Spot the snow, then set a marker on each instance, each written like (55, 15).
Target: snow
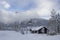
(37, 28)
(12, 35)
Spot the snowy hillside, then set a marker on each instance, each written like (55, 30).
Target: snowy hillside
(12, 35)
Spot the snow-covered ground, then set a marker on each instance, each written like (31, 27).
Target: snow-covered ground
(12, 35)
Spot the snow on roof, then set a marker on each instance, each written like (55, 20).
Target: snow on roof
(37, 28)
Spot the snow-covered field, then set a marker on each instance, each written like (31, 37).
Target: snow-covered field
(12, 35)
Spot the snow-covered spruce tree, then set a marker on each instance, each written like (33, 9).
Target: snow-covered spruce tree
(54, 22)
(58, 22)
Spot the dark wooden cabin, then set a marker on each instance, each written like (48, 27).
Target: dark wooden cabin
(39, 30)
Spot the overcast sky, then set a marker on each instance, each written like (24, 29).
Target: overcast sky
(27, 9)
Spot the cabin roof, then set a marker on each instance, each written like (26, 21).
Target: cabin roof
(37, 28)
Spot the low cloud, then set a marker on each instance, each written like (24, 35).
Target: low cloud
(8, 16)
